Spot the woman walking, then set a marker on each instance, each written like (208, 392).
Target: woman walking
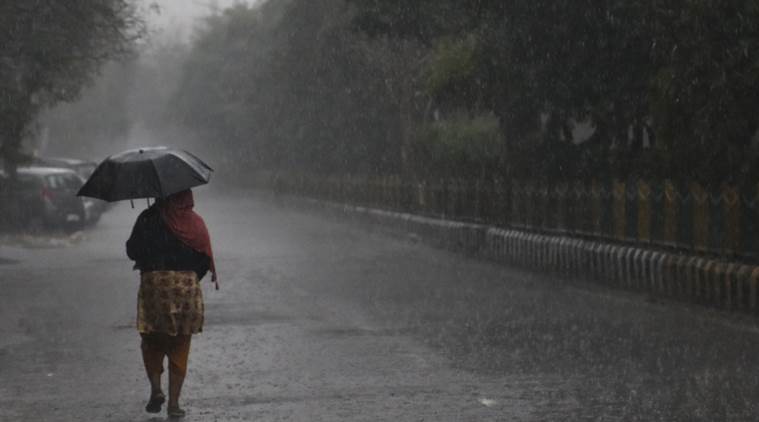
(172, 249)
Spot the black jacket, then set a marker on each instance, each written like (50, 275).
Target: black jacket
(154, 247)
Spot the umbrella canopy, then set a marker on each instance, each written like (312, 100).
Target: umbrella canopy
(155, 172)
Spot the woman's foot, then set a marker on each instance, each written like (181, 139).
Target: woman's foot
(155, 402)
(175, 412)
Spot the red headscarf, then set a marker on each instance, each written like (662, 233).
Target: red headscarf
(187, 225)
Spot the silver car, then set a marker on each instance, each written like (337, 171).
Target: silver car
(46, 197)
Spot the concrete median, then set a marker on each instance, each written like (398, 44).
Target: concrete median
(666, 274)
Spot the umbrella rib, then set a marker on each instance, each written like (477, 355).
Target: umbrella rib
(157, 177)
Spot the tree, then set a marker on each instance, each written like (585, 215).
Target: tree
(575, 88)
(289, 85)
(658, 81)
(49, 50)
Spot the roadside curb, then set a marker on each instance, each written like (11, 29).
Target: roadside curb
(728, 285)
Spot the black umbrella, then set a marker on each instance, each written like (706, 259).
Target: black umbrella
(146, 173)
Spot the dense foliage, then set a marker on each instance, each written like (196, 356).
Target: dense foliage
(49, 50)
(484, 88)
(290, 85)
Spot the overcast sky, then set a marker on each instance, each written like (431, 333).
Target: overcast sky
(179, 16)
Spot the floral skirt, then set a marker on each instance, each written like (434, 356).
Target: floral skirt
(170, 302)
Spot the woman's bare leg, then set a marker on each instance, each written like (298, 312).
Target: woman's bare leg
(178, 355)
(152, 356)
(175, 389)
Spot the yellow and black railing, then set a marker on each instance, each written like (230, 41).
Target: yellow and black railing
(721, 221)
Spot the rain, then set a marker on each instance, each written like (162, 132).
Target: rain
(379, 210)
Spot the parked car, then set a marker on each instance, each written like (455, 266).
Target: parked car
(83, 168)
(6, 208)
(46, 198)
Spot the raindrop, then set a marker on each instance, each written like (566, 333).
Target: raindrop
(487, 402)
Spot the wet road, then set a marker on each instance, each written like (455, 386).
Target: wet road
(319, 320)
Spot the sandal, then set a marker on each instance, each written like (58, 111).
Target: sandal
(175, 412)
(155, 402)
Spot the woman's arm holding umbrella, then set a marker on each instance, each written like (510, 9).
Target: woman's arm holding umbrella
(135, 245)
(138, 245)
